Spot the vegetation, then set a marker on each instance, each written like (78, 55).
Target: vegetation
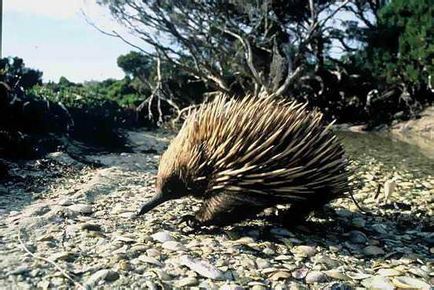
(358, 61)
(353, 59)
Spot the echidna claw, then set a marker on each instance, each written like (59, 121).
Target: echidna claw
(191, 221)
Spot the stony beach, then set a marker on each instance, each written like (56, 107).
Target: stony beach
(66, 225)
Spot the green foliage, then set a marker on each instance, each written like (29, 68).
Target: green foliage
(14, 72)
(135, 64)
(401, 48)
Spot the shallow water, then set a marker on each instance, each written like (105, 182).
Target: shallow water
(392, 153)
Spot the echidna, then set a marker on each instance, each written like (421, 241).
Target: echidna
(243, 156)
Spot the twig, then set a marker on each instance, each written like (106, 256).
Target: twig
(63, 272)
(289, 79)
(248, 55)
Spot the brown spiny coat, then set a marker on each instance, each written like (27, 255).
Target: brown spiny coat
(241, 157)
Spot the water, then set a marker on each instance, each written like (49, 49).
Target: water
(392, 153)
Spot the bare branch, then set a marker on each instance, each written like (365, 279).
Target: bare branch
(288, 81)
(248, 55)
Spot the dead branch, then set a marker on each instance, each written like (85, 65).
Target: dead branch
(248, 55)
(62, 271)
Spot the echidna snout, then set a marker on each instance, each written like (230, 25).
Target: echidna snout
(166, 188)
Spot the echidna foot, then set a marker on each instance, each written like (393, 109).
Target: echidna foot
(191, 221)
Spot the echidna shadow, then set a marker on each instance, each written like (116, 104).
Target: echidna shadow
(242, 156)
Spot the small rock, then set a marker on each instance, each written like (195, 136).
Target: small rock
(243, 241)
(268, 251)
(380, 228)
(372, 251)
(173, 246)
(388, 272)
(359, 222)
(300, 273)
(377, 282)
(83, 209)
(259, 287)
(358, 276)
(202, 267)
(162, 275)
(405, 282)
(63, 256)
(123, 265)
(326, 262)
(357, 237)
(315, 277)
(153, 253)
(342, 212)
(248, 263)
(138, 249)
(338, 286)
(19, 270)
(231, 287)
(189, 281)
(39, 210)
(90, 227)
(304, 251)
(283, 258)
(126, 239)
(280, 275)
(262, 263)
(65, 202)
(102, 275)
(163, 236)
(281, 232)
(150, 260)
(335, 274)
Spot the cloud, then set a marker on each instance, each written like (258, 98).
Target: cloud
(58, 9)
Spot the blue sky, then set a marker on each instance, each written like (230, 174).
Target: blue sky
(53, 36)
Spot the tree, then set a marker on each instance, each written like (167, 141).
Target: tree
(136, 64)
(234, 46)
(14, 72)
(401, 49)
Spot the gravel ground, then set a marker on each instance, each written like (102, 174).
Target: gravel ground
(74, 229)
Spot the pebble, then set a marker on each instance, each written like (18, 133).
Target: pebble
(268, 251)
(378, 282)
(184, 282)
(173, 246)
(62, 256)
(280, 275)
(304, 251)
(163, 236)
(83, 209)
(405, 282)
(90, 227)
(373, 251)
(19, 270)
(388, 272)
(359, 222)
(358, 237)
(102, 275)
(315, 277)
(281, 232)
(300, 273)
(380, 228)
(202, 267)
(153, 253)
(231, 287)
(262, 263)
(336, 275)
(258, 287)
(150, 260)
